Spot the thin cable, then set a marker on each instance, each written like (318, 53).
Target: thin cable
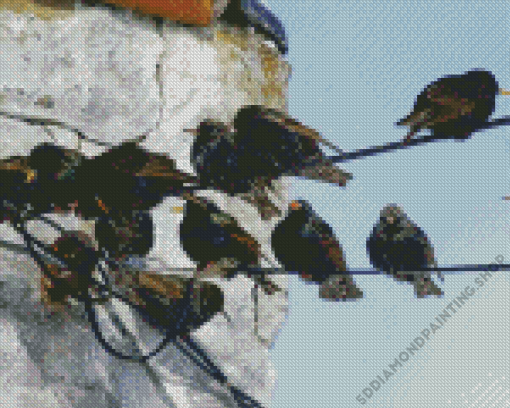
(403, 144)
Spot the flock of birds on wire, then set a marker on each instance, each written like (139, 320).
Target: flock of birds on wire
(119, 188)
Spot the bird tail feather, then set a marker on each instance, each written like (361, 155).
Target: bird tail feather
(266, 208)
(340, 287)
(327, 172)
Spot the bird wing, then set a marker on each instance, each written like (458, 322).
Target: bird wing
(325, 171)
(248, 241)
(164, 167)
(170, 287)
(417, 118)
(452, 106)
(295, 126)
(438, 103)
(334, 252)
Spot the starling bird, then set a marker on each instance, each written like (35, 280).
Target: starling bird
(218, 161)
(398, 247)
(216, 241)
(36, 184)
(122, 234)
(264, 145)
(166, 302)
(280, 145)
(75, 279)
(454, 106)
(220, 246)
(126, 178)
(303, 242)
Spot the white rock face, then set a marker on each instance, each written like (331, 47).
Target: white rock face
(116, 76)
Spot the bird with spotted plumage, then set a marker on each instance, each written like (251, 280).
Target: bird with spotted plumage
(221, 247)
(59, 282)
(455, 106)
(400, 248)
(127, 178)
(36, 184)
(217, 243)
(261, 145)
(303, 242)
(166, 302)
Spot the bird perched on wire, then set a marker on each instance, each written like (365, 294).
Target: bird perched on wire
(263, 145)
(127, 178)
(166, 302)
(38, 183)
(218, 161)
(398, 247)
(163, 301)
(305, 243)
(217, 243)
(454, 106)
(220, 246)
(75, 278)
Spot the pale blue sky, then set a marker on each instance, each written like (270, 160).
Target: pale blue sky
(357, 68)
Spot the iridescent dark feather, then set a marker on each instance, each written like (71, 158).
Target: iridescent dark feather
(264, 145)
(208, 235)
(305, 243)
(75, 279)
(124, 234)
(127, 178)
(39, 183)
(454, 106)
(166, 302)
(215, 156)
(398, 247)
(276, 144)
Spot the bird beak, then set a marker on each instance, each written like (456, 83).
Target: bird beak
(504, 92)
(295, 205)
(177, 210)
(390, 220)
(192, 131)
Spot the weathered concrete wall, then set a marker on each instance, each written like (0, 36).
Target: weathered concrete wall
(116, 75)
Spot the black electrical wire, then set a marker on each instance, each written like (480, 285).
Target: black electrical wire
(184, 343)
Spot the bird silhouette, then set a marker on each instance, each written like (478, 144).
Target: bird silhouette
(219, 163)
(220, 247)
(127, 178)
(398, 247)
(60, 282)
(454, 106)
(166, 302)
(36, 184)
(305, 243)
(263, 145)
(217, 243)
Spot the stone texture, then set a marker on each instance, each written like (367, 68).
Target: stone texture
(116, 75)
